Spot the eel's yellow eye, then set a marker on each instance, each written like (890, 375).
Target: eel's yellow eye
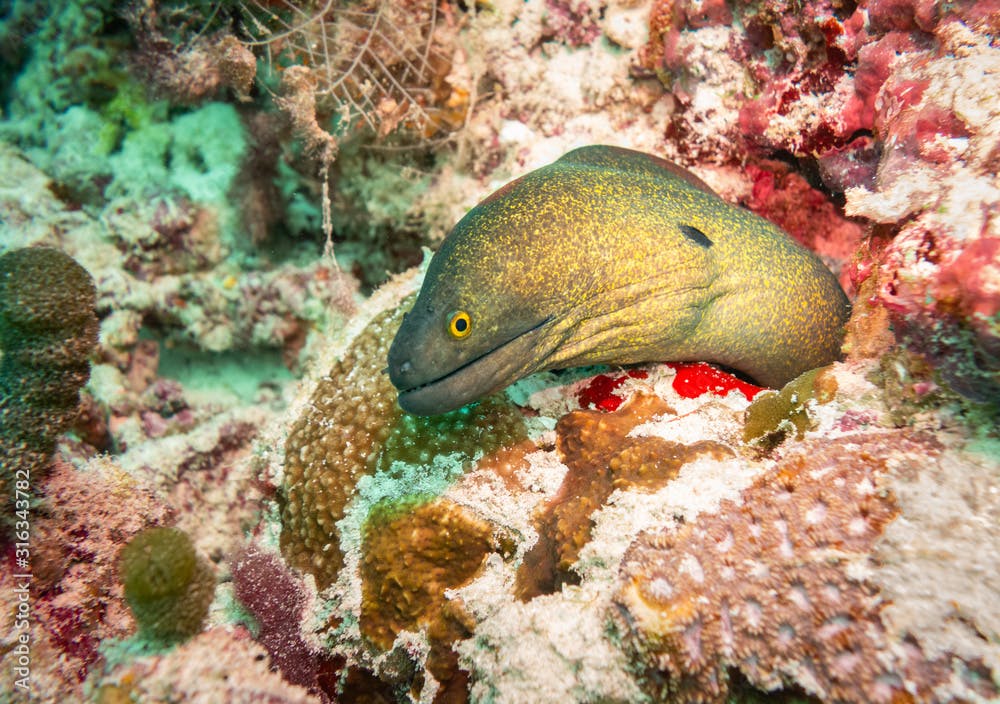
(459, 324)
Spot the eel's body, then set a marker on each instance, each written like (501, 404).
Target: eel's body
(611, 256)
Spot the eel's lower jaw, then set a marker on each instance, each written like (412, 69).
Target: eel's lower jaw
(491, 372)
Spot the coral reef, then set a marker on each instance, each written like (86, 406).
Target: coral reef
(938, 493)
(219, 664)
(660, 532)
(48, 329)
(938, 180)
(412, 556)
(775, 587)
(333, 444)
(601, 457)
(167, 584)
(352, 428)
(378, 63)
(84, 517)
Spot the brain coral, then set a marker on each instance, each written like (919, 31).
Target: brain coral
(774, 586)
(47, 329)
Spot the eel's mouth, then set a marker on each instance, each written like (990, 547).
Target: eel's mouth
(491, 371)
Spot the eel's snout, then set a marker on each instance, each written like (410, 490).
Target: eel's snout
(401, 370)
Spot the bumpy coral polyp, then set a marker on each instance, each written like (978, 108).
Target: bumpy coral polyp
(769, 585)
(353, 427)
(333, 443)
(48, 328)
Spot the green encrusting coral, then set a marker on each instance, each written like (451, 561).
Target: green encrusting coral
(775, 414)
(167, 584)
(466, 433)
(48, 328)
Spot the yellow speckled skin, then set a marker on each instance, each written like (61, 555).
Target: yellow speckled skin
(592, 259)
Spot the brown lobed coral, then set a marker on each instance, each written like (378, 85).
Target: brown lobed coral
(410, 557)
(601, 457)
(775, 586)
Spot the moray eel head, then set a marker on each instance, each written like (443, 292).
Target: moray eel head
(610, 256)
(452, 351)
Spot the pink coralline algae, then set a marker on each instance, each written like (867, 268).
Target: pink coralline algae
(78, 599)
(667, 19)
(575, 22)
(824, 99)
(788, 200)
(936, 189)
(219, 665)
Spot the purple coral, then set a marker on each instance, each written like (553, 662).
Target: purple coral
(276, 599)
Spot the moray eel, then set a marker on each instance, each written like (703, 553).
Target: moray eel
(611, 256)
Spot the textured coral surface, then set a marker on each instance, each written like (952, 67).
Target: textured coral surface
(47, 331)
(771, 587)
(333, 444)
(167, 584)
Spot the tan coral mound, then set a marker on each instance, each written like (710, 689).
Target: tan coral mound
(332, 444)
(352, 427)
(776, 586)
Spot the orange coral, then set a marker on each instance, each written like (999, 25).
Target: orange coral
(601, 458)
(410, 557)
(770, 586)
